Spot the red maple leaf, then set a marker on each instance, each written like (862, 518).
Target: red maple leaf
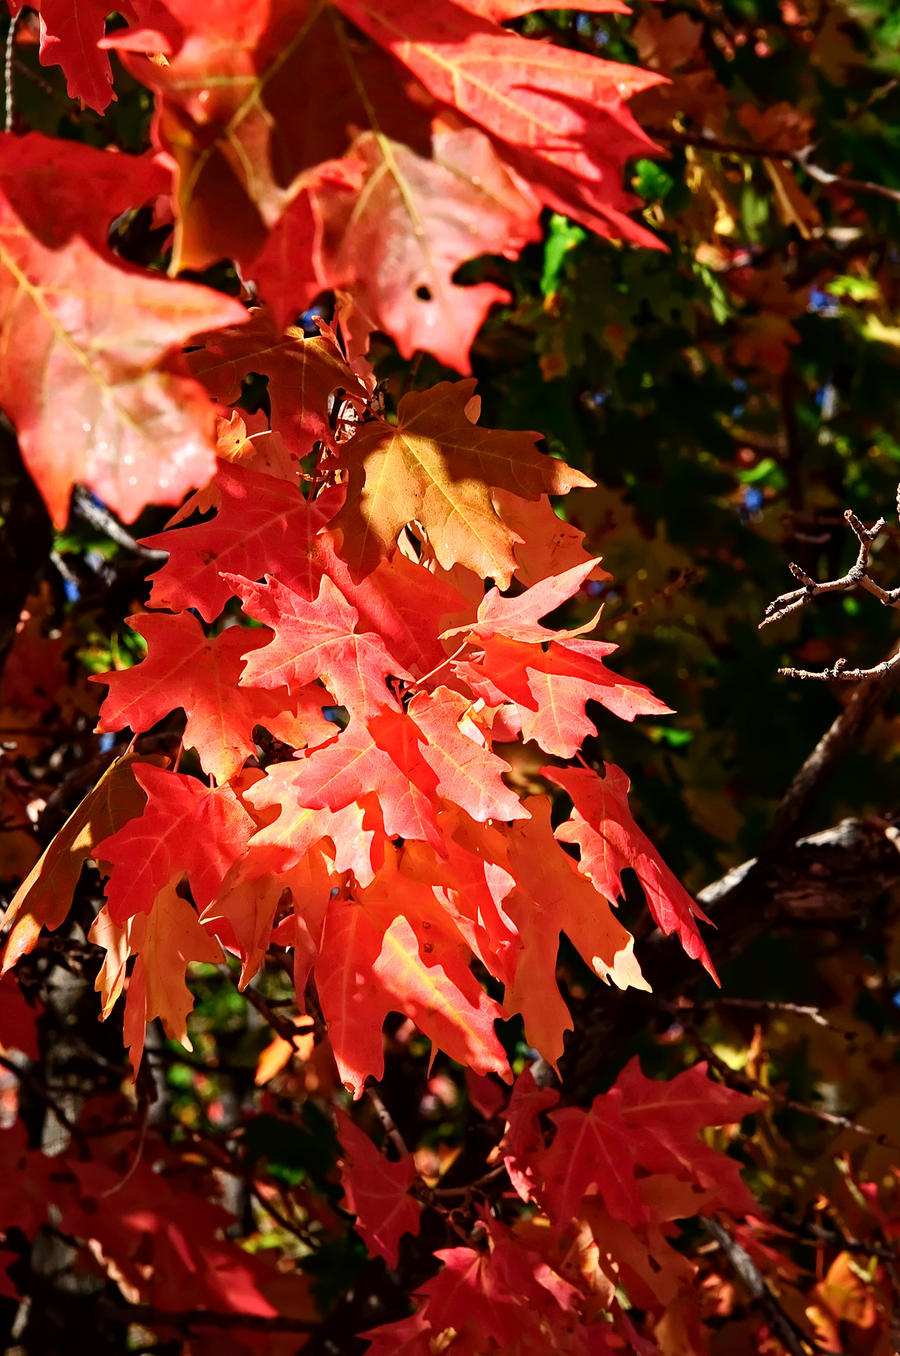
(550, 897)
(165, 941)
(185, 829)
(244, 910)
(548, 675)
(524, 1136)
(70, 38)
(519, 617)
(194, 1261)
(184, 668)
(609, 839)
(454, 748)
(261, 522)
(436, 467)
(424, 216)
(318, 639)
(290, 828)
(83, 336)
(550, 688)
(549, 546)
(374, 961)
(559, 116)
(349, 767)
(592, 1151)
(301, 375)
(470, 876)
(36, 170)
(665, 1119)
(44, 898)
(377, 1191)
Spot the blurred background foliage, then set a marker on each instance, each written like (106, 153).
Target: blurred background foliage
(732, 394)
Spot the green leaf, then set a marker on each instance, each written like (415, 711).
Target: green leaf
(562, 237)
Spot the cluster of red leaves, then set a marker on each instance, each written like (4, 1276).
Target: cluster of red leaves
(541, 1284)
(128, 1217)
(381, 837)
(384, 845)
(441, 138)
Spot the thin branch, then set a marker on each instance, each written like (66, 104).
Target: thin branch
(746, 1270)
(8, 84)
(735, 1077)
(275, 1213)
(440, 1192)
(99, 516)
(770, 1005)
(856, 577)
(387, 1121)
(283, 1026)
(800, 159)
(666, 592)
(839, 671)
(813, 1234)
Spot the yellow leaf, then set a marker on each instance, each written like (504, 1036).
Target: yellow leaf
(45, 896)
(438, 469)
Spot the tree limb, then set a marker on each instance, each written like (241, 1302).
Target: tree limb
(752, 1279)
(845, 730)
(825, 877)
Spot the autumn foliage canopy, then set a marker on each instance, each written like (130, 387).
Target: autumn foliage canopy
(353, 760)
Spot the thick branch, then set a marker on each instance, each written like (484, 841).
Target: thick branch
(843, 733)
(753, 1280)
(829, 876)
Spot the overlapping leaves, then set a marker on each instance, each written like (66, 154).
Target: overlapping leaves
(387, 825)
(442, 137)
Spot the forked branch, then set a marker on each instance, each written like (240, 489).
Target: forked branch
(857, 577)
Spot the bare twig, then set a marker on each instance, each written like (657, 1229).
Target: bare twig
(840, 671)
(387, 1122)
(817, 1234)
(770, 1005)
(736, 1078)
(283, 1026)
(856, 577)
(800, 159)
(8, 85)
(666, 592)
(279, 1218)
(440, 1192)
(99, 516)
